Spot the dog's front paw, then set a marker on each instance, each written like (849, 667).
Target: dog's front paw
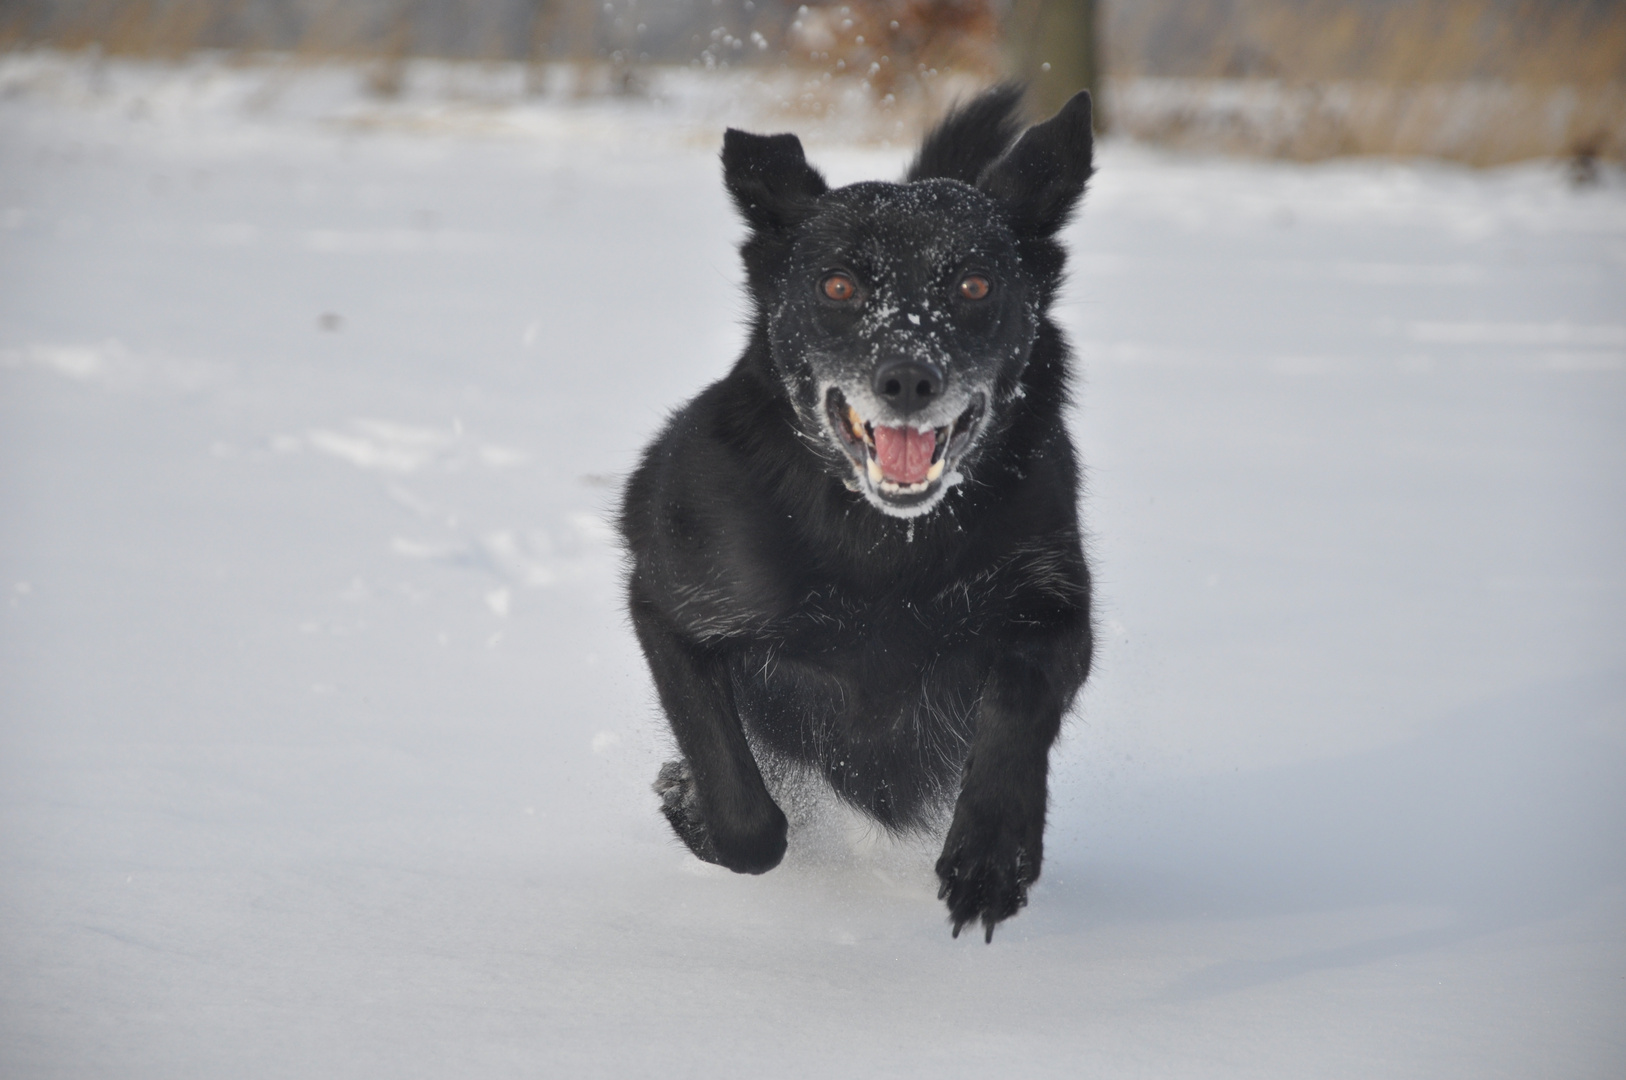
(681, 805)
(985, 872)
(753, 845)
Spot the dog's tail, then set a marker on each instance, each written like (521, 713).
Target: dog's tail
(970, 138)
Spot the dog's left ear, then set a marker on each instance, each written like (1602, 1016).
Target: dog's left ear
(1040, 179)
(770, 179)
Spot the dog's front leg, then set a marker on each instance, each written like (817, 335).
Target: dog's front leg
(995, 844)
(714, 798)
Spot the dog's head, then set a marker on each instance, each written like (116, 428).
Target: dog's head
(900, 317)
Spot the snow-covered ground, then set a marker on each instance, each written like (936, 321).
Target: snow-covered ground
(325, 748)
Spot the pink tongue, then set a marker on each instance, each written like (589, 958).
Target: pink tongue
(904, 454)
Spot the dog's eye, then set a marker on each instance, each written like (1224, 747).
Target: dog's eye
(974, 287)
(839, 287)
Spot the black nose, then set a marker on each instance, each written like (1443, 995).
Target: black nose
(908, 385)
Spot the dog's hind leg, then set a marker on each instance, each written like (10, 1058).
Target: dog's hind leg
(714, 798)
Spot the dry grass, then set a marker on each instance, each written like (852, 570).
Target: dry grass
(319, 29)
(894, 46)
(161, 28)
(1482, 81)
(1479, 123)
(1479, 81)
(1398, 42)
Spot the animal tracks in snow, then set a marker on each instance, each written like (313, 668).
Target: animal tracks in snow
(403, 449)
(577, 546)
(111, 365)
(532, 558)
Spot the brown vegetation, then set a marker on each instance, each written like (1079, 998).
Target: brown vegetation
(1398, 42)
(893, 43)
(1481, 81)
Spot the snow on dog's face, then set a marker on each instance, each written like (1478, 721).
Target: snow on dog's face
(900, 316)
(900, 321)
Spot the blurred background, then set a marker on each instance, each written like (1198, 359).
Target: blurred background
(1479, 81)
(330, 329)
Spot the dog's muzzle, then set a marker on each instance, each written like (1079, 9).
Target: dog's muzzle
(903, 467)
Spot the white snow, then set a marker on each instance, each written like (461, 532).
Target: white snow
(325, 747)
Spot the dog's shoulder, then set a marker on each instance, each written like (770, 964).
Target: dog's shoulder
(705, 545)
(708, 461)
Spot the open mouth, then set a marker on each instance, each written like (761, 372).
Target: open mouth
(904, 465)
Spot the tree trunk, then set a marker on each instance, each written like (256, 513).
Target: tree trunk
(1053, 46)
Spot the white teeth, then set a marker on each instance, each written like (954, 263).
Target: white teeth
(878, 478)
(855, 422)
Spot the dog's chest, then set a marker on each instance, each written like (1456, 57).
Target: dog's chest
(882, 621)
(873, 644)
(902, 671)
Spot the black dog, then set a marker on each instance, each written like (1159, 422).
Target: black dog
(859, 553)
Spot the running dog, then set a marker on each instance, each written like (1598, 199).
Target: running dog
(858, 554)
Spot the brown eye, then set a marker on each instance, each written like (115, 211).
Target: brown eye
(839, 287)
(974, 287)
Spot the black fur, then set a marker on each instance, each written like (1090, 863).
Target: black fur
(970, 139)
(806, 600)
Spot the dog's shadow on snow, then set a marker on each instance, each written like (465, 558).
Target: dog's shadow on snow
(1502, 815)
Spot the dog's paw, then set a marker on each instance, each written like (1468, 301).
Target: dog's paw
(681, 805)
(751, 846)
(985, 874)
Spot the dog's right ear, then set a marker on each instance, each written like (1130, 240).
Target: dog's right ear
(770, 179)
